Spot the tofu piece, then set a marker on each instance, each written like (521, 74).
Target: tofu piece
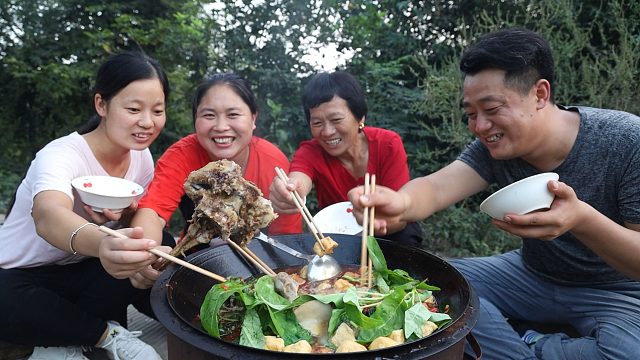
(382, 342)
(350, 346)
(328, 244)
(428, 328)
(398, 336)
(343, 333)
(301, 346)
(273, 343)
(342, 285)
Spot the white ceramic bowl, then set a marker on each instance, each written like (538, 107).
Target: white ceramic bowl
(337, 219)
(106, 192)
(521, 197)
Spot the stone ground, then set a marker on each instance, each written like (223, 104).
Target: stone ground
(153, 333)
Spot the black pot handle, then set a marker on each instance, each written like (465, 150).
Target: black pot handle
(475, 346)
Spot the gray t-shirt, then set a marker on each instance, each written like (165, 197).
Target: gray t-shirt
(603, 168)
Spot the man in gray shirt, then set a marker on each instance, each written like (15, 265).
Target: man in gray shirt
(579, 260)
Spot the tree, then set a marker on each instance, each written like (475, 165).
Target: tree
(50, 51)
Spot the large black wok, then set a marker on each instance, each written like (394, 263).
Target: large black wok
(176, 297)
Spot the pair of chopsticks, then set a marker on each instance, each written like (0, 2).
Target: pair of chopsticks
(164, 255)
(368, 223)
(252, 257)
(306, 215)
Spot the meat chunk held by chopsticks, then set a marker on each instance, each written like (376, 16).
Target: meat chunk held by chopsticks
(226, 206)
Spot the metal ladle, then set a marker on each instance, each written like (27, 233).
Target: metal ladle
(319, 267)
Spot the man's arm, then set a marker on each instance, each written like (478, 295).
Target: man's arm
(618, 246)
(440, 190)
(420, 197)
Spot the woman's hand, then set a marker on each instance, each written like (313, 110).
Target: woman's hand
(563, 216)
(124, 216)
(281, 196)
(145, 278)
(125, 257)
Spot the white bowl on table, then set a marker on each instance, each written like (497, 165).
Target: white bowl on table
(338, 219)
(521, 197)
(106, 192)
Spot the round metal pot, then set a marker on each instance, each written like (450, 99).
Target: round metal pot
(176, 298)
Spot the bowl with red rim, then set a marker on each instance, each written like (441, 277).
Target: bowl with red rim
(521, 197)
(106, 192)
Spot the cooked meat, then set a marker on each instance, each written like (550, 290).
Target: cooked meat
(226, 206)
(286, 285)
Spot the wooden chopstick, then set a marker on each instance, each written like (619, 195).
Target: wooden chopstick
(365, 231)
(256, 258)
(300, 204)
(372, 212)
(169, 257)
(255, 262)
(302, 207)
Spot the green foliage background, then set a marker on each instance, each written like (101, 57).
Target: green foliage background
(405, 53)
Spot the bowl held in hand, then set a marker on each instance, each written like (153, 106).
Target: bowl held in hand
(106, 192)
(521, 197)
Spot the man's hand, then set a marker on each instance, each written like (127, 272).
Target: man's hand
(563, 216)
(390, 207)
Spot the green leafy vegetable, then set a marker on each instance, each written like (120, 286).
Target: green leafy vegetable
(251, 333)
(338, 316)
(213, 301)
(287, 326)
(390, 312)
(265, 293)
(414, 318)
(375, 254)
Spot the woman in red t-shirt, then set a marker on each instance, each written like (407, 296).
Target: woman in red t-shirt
(224, 115)
(342, 151)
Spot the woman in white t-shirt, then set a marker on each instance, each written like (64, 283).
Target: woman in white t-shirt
(65, 284)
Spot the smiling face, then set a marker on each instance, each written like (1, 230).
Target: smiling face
(334, 126)
(224, 125)
(134, 117)
(502, 118)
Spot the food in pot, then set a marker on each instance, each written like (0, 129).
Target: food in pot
(286, 285)
(328, 318)
(226, 206)
(328, 244)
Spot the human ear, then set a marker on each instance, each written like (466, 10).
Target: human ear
(100, 104)
(542, 92)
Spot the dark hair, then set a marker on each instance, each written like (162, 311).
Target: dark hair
(238, 84)
(114, 75)
(324, 86)
(119, 71)
(524, 55)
